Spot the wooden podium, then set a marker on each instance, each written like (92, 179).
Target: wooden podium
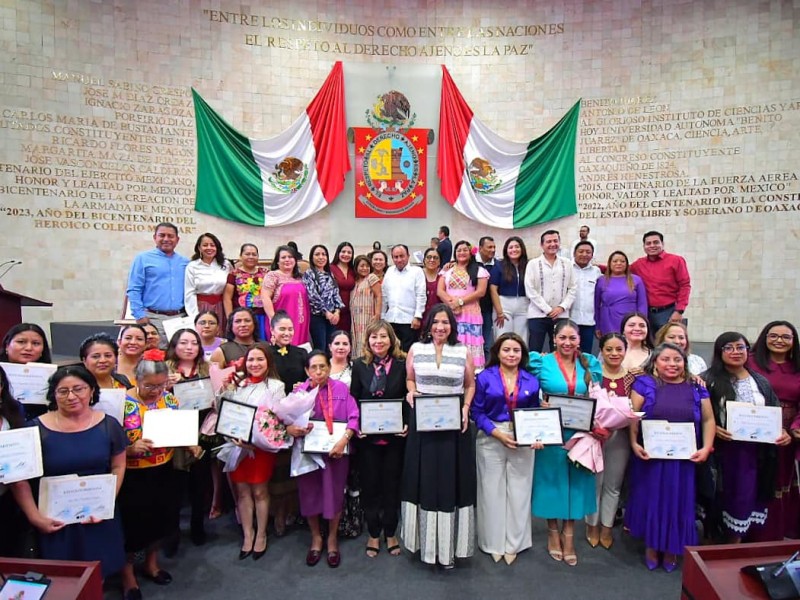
(713, 572)
(71, 580)
(11, 305)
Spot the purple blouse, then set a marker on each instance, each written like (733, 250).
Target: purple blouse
(613, 299)
(489, 403)
(345, 407)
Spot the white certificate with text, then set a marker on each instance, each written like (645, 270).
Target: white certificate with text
(577, 412)
(20, 454)
(381, 416)
(662, 439)
(235, 420)
(168, 428)
(438, 413)
(538, 426)
(196, 394)
(112, 402)
(319, 441)
(72, 499)
(750, 423)
(175, 324)
(29, 382)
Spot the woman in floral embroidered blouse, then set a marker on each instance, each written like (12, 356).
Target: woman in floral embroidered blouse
(323, 297)
(244, 287)
(147, 501)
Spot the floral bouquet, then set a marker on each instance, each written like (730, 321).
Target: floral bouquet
(269, 432)
(295, 405)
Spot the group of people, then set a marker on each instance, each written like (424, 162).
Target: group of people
(349, 330)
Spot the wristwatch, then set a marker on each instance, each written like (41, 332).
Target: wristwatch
(461, 302)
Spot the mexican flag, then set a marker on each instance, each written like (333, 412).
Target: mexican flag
(280, 180)
(499, 182)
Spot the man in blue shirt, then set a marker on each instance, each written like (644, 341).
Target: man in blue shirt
(155, 283)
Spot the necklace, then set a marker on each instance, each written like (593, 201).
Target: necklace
(612, 380)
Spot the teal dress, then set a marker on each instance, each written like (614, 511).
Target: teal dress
(562, 490)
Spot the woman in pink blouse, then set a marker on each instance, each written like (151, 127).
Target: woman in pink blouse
(283, 289)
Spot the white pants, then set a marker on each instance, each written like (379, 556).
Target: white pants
(616, 451)
(515, 309)
(505, 480)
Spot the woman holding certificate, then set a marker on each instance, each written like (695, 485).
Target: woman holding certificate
(661, 506)
(776, 356)
(186, 363)
(12, 416)
(261, 388)
(439, 489)
(561, 490)
(505, 470)
(380, 373)
(77, 440)
(147, 500)
(26, 343)
(617, 381)
(322, 490)
(746, 469)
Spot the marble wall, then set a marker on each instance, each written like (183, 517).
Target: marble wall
(688, 125)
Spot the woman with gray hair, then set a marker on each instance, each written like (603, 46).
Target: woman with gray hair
(148, 499)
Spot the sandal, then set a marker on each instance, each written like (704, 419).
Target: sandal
(373, 551)
(570, 559)
(556, 555)
(393, 549)
(214, 513)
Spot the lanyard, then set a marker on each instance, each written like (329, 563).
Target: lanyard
(571, 380)
(511, 398)
(328, 414)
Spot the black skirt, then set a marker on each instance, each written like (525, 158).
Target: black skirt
(148, 503)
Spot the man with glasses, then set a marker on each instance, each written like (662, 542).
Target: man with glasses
(666, 280)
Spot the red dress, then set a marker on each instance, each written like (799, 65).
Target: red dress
(257, 468)
(346, 285)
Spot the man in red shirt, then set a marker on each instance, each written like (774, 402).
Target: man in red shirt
(666, 280)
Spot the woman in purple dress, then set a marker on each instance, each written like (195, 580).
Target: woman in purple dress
(776, 356)
(617, 294)
(746, 469)
(662, 494)
(322, 491)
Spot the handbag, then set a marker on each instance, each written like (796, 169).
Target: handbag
(351, 523)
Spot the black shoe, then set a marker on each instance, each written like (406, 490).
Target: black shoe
(161, 577)
(132, 594)
(245, 553)
(198, 535)
(259, 554)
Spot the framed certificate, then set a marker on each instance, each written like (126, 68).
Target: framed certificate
(319, 441)
(112, 402)
(577, 412)
(72, 499)
(538, 425)
(168, 428)
(750, 423)
(438, 413)
(29, 382)
(20, 454)
(675, 441)
(197, 394)
(382, 416)
(235, 419)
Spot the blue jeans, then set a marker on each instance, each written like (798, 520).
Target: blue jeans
(321, 331)
(587, 337)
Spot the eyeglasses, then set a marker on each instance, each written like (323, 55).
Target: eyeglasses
(432, 257)
(78, 390)
(730, 348)
(784, 337)
(152, 388)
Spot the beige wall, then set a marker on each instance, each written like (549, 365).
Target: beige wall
(690, 109)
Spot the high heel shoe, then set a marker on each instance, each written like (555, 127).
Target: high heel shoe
(259, 553)
(556, 555)
(570, 559)
(606, 538)
(651, 562)
(670, 562)
(245, 553)
(593, 535)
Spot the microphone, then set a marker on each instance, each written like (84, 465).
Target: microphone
(11, 264)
